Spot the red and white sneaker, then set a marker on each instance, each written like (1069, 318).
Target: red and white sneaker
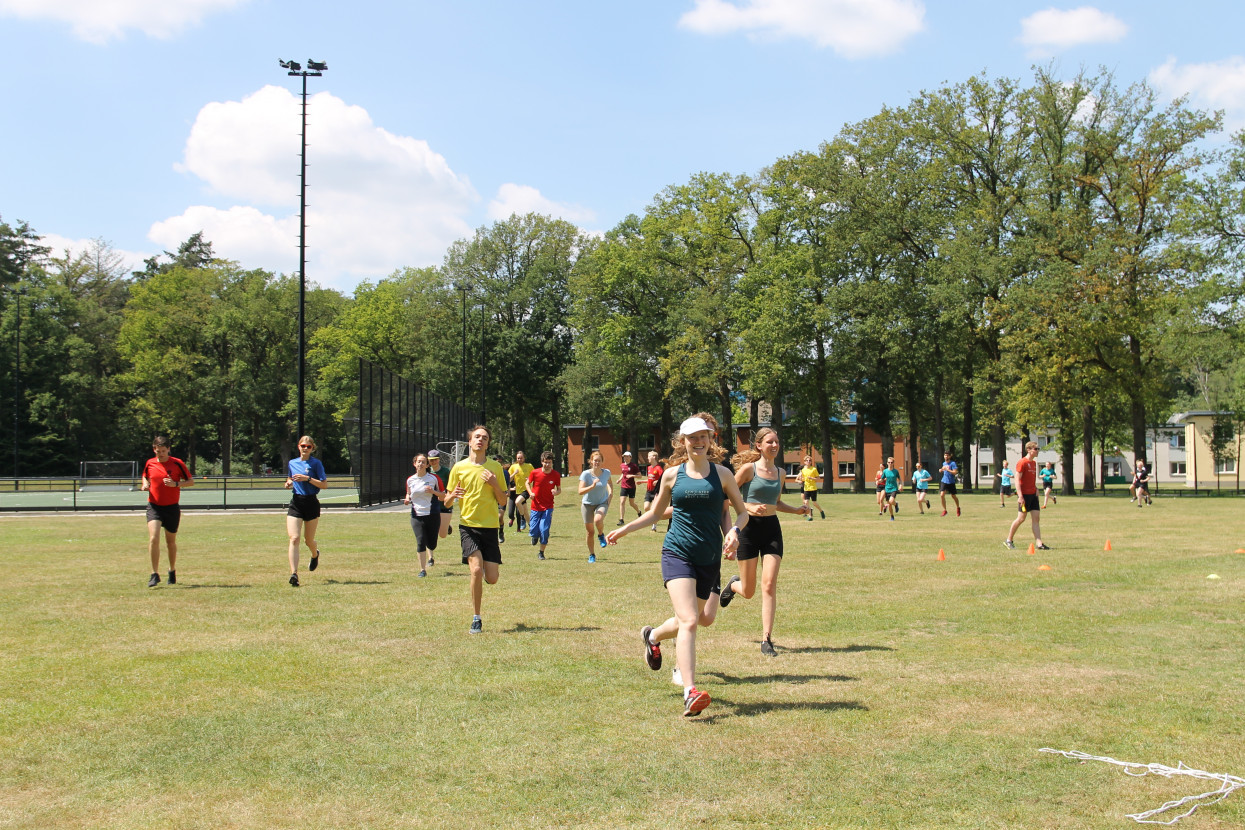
(694, 702)
(652, 653)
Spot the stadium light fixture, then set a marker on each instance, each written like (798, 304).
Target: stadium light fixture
(314, 70)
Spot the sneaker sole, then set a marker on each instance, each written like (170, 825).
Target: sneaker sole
(696, 705)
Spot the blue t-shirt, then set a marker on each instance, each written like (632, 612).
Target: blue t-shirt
(948, 476)
(311, 467)
(599, 494)
(892, 480)
(1006, 475)
(1047, 475)
(921, 479)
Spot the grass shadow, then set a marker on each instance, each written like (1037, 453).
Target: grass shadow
(852, 649)
(521, 628)
(192, 586)
(781, 678)
(748, 710)
(356, 582)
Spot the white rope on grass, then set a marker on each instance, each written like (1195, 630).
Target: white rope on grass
(1228, 784)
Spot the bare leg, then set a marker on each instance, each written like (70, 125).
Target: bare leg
(769, 593)
(170, 545)
(153, 544)
(293, 529)
(309, 536)
(475, 563)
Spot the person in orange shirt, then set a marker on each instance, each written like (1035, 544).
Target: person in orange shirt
(1026, 477)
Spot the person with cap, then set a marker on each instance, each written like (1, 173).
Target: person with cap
(760, 483)
(519, 493)
(441, 471)
(695, 487)
(626, 487)
(423, 490)
(653, 484)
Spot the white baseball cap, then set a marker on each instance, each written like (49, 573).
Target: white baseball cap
(694, 425)
(627, 453)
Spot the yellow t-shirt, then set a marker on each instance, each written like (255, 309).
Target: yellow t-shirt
(808, 475)
(478, 505)
(518, 475)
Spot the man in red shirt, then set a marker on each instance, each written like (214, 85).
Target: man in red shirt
(626, 483)
(164, 477)
(543, 485)
(654, 482)
(1026, 477)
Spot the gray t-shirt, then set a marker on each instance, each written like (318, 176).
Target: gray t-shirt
(599, 494)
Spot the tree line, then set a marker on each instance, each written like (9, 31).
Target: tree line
(991, 257)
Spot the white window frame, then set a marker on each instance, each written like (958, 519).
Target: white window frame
(847, 469)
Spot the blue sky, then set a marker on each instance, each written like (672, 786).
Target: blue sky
(143, 121)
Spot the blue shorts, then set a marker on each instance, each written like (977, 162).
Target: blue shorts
(708, 579)
(538, 525)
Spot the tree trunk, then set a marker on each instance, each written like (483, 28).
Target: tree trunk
(939, 439)
(858, 485)
(1087, 443)
(754, 418)
(257, 457)
(998, 437)
(823, 415)
(966, 436)
(913, 455)
(226, 442)
(557, 441)
(1136, 405)
(587, 445)
(729, 441)
(667, 428)
(1067, 448)
(775, 422)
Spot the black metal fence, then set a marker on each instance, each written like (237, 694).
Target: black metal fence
(394, 420)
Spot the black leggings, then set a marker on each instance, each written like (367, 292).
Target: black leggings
(427, 530)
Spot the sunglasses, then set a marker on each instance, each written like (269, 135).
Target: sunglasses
(306, 446)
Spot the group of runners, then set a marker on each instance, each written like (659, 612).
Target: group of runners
(696, 492)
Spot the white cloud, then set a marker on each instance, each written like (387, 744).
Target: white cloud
(521, 199)
(853, 28)
(131, 260)
(1210, 86)
(375, 201)
(1050, 30)
(99, 21)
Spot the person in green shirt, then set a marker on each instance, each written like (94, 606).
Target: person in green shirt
(891, 483)
(478, 482)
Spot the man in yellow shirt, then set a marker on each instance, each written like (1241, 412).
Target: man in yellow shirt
(519, 471)
(478, 482)
(809, 476)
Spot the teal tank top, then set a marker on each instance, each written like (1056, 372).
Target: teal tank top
(763, 490)
(695, 533)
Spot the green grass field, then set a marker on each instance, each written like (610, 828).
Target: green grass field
(906, 693)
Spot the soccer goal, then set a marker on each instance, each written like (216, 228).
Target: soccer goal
(108, 475)
(456, 450)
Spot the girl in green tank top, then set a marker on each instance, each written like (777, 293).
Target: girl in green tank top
(759, 476)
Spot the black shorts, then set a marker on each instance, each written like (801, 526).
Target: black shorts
(811, 495)
(1006, 490)
(650, 495)
(1048, 485)
(628, 492)
(479, 540)
(708, 579)
(1029, 503)
(522, 498)
(427, 530)
(168, 515)
(1143, 485)
(303, 507)
(922, 493)
(881, 488)
(947, 487)
(892, 494)
(762, 536)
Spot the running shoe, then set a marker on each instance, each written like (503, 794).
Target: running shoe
(154, 581)
(294, 580)
(944, 512)
(694, 702)
(620, 523)
(422, 574)
(767, 648)
(728, 593)
(957, 511)
(540, 554)
(535, 539)
(501, 534)
(892, 518)
(522, 525)
(1009, 544)
(1042, 547)
(431, 561)
(315, 560)
(927, 507)
(511, 524)
(477, 625)
(172, 577)
(592, 559)
(652, 651)
(601, 539)
(823, 514)
(1054, 500)
(810, 517)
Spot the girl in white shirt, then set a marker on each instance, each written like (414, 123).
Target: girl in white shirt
(420, 489)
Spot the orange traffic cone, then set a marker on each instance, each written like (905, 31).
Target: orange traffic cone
(942, 556)
(1032, 548)
(1044, 568)
(1240, 550)
(1107, 546)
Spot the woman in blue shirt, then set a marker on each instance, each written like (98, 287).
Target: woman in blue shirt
(306, 478)
(595, 487)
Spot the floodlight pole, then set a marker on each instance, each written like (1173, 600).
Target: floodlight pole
(17, 376)
(314, 70)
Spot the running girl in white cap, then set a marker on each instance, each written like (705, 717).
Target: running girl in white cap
(695, 487)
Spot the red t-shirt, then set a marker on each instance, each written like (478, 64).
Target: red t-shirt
(540, 484)
(1026, 474)
(654, 477)
(156, 472)
(626, 474)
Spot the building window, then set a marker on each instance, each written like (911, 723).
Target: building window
(594, 443)
(647, 442)
(847, 469)
(1177, 441)
(1178, 468)
(985, 470)
(1113, 469)
(1226, 466)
